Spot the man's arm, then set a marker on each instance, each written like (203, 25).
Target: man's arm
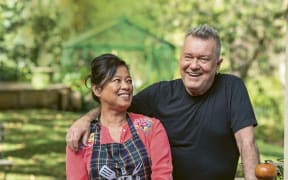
(248, 151)
(80, 128)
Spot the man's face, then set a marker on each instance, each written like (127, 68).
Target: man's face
(198, 64)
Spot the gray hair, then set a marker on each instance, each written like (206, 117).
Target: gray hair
(206, 32)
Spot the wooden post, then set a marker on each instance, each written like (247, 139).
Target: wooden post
(286, 105)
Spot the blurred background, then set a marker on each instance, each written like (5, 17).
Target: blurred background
(46, 47)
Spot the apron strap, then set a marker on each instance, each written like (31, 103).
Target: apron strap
(96, 127)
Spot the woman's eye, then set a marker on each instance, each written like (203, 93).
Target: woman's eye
(116, 80)
(129, 81)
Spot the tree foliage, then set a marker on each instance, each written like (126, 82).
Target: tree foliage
(252, 33)
(30, 36)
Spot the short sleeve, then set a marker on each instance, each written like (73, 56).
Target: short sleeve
(242, 114)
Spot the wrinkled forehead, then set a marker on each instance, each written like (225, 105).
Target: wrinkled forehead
(196, 44)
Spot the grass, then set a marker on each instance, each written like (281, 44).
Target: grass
(35, 142)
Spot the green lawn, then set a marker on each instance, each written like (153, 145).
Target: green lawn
(35, 142)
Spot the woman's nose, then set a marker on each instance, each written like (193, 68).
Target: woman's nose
(125, 85)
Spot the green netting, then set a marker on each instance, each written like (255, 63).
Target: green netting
(150, 58)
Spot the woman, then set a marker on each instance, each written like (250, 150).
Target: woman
(122, 145)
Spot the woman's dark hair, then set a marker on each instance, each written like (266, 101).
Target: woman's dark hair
(103, 68)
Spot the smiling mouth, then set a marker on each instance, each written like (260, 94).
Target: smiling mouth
(194, 74)
(125, 95)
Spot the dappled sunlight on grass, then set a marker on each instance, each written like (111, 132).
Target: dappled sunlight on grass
(12, 176)
(11, 147)
(35, 142)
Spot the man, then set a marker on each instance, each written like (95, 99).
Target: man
(208, 116)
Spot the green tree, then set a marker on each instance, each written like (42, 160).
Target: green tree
(252, 32)
(31, 34)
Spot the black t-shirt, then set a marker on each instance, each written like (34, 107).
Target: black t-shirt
(200, 129)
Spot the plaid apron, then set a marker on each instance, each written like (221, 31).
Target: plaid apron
(127, 161)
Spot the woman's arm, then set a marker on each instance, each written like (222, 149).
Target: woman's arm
(160, 153)
(76, 165)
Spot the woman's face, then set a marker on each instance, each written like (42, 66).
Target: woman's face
(117, 93)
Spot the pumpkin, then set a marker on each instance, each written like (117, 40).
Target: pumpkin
(265, 171)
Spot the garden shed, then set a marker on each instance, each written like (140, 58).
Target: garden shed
(150, 58)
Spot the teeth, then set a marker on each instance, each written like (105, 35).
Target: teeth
(194, 74)
(124, 95)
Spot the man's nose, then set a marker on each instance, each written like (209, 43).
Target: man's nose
(194, 63)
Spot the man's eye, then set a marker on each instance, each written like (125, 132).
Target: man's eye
(204, 59)
(187, 58)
